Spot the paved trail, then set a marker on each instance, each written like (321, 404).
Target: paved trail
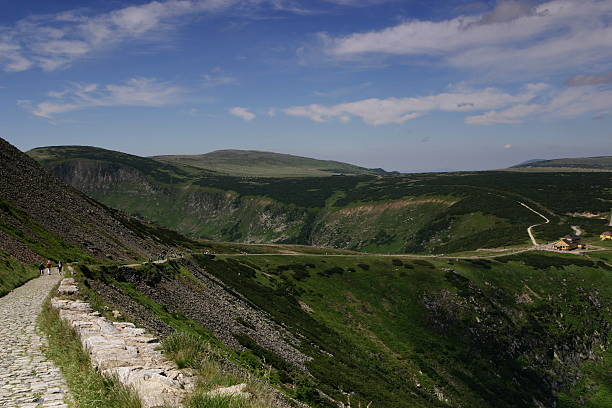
(27, 378)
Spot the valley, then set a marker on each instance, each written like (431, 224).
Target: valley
(412, 213)
(410, 290)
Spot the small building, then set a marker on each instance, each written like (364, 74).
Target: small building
(606, 235)
(572, 238)
(569, 243)
(565, 245)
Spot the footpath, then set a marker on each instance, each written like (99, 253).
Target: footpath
(27, 378)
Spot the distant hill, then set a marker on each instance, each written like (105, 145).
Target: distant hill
(603, 163)
(254, 163)
(437, 213)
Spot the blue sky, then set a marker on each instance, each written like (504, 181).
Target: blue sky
(410, 85)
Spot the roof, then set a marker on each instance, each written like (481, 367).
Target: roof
(606, 233)
(563, 242)
(571, 236)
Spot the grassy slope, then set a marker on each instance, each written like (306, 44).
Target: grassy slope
(165, 173)
(399, 331)
(597, 163)
(14, 273)
(372, 319)
(250, 163)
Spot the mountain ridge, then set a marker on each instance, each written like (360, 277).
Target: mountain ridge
(439, 213)
(603, 163)
(256, 163)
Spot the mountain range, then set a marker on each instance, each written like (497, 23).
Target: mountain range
(319, 324)
(382, 213)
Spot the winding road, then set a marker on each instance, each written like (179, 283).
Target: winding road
(530, 229)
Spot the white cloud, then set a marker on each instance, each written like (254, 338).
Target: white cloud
(218, 80)
(376, 111)
(242, 113)
(55, 41)
(512, 115)
(515, 36)
(568, 103)
(509, 10)
(508, 146)
(133, 92)
(486, 107)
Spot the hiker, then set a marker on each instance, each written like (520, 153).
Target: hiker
(60, 265)
(41, 269)
(49, 266)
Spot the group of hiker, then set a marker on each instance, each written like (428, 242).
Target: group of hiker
(49, 266)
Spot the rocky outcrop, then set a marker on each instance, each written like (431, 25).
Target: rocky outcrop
(33, 202)
(131, 309)
(216, 307)
(119, 349)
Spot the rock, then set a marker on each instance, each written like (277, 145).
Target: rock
(120, 349)
(233, 391)
(67, 287)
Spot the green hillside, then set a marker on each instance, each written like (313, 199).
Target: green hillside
(600, 163)
(521, 331)
(426, 213)
(251, 163)
(43, 218)
(530, 329)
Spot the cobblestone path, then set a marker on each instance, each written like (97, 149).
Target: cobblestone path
(27, 378)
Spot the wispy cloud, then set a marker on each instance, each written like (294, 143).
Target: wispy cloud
(567, 103)
(376, 111)
(358, 3)
(549, 36)
(242, 113)
(133, 92)
(55, 41)
(213, 80)
(485, 107)
(592, 79)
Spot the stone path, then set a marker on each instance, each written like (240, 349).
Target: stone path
(119, 349)
(27, 378)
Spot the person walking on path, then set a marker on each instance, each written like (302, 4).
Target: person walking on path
(41, 269)
(60, 265)
(49, 266)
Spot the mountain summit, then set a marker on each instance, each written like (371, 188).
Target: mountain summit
(265, 164)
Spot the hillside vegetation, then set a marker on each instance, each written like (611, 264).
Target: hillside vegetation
(43, 218)
(522, 331)
(426, 213)
(324, 325)
(251, 163)
(600, 163)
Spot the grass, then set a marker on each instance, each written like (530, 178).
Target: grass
(14, 274)
(365, 322)
(191, 351)
(88, 388)
(18, 224)
(373, 321)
